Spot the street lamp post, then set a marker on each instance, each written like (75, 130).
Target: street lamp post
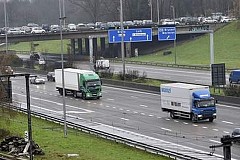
(61, 18)
(5, 19)
(122, 37)
(175, 54)
(158, 12)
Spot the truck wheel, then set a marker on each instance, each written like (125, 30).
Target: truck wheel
(194, 118)
(172, 115)
(210, 119)
(83, 96)
(75, 94)
(60, 91)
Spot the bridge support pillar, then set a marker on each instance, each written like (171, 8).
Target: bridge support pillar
(103, 46)
(128, 50)
(95, 49)
(87, 46)
(80, 48)
(73, 49)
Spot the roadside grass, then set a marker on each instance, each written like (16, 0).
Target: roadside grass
(197, 51)
(49, 136)
(53, 46)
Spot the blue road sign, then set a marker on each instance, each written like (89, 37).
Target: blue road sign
(130, 35)
(166, 33)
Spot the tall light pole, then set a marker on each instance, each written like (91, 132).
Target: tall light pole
(174, 20)
(122, 38)
(64, 14)
(5, 19)
(151, 8)
(61, 18)
(158, 12)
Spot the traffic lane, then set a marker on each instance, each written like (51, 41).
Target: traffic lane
(123, 118)
(135, 104)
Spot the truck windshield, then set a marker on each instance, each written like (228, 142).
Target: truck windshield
(205, 103)
(93, 83)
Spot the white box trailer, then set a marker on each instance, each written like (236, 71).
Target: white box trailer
(76, 81)
(187, 101)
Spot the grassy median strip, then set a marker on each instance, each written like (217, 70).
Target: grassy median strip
(49, 136)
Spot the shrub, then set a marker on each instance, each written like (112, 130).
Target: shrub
(232, 90)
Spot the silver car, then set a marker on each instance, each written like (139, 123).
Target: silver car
(37, 80)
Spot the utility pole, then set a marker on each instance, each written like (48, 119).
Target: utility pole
(5, 19)
(61, 18)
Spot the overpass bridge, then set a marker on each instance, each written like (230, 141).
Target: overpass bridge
(104, 49)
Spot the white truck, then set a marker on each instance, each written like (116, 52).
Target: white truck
(188, 101)
(102, 64)
(76, 81)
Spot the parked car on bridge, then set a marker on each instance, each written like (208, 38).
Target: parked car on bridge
(12, 31)
(209, 20)
(72, 27)
(225, 20)
(38, 30)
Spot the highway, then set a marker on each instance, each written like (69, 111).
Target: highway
(137, 112)
(162, 73)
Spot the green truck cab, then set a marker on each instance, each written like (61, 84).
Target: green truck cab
(84, 83)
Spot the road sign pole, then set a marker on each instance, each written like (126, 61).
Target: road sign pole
(211, 49)
(122, 38)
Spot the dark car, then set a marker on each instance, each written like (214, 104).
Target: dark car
(236, 133)
(46, 27)
(51, 76)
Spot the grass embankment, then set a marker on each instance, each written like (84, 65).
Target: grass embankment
(49, 136)
(197, 52)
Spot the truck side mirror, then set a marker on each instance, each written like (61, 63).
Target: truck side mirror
(216, 101)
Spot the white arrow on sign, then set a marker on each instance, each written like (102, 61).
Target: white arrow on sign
(130, 38)
(168, 37)
(113, 38)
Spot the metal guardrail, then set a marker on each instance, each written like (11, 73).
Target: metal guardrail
(197, 67)
(139, 145)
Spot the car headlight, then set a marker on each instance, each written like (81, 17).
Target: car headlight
(214, 114)
(88, 94)
(199, 115)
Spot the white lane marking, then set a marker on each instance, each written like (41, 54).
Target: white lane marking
(71, 98)
(195, 125)
(226, 132)
(95, 103)
(128, 110)
(135, 112)
(167, 119)
(215, 129)
(50, 94)
(142, 105)
(227, 122)
(88, 102)
(204, 127)
(159, 117)
(176, 121)
(223, 105)
(166, 129)
(59, 104)
(133, 91)
(143, 114)
(185, 123)
(150, 115)
(124, 119)
(107, 106)
(114, 107)
(110, 99)
(120, 109)
(211, 140)
(134, 97)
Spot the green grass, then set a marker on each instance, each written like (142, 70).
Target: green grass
(49, 136)
(53, 46)
(197, 52)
